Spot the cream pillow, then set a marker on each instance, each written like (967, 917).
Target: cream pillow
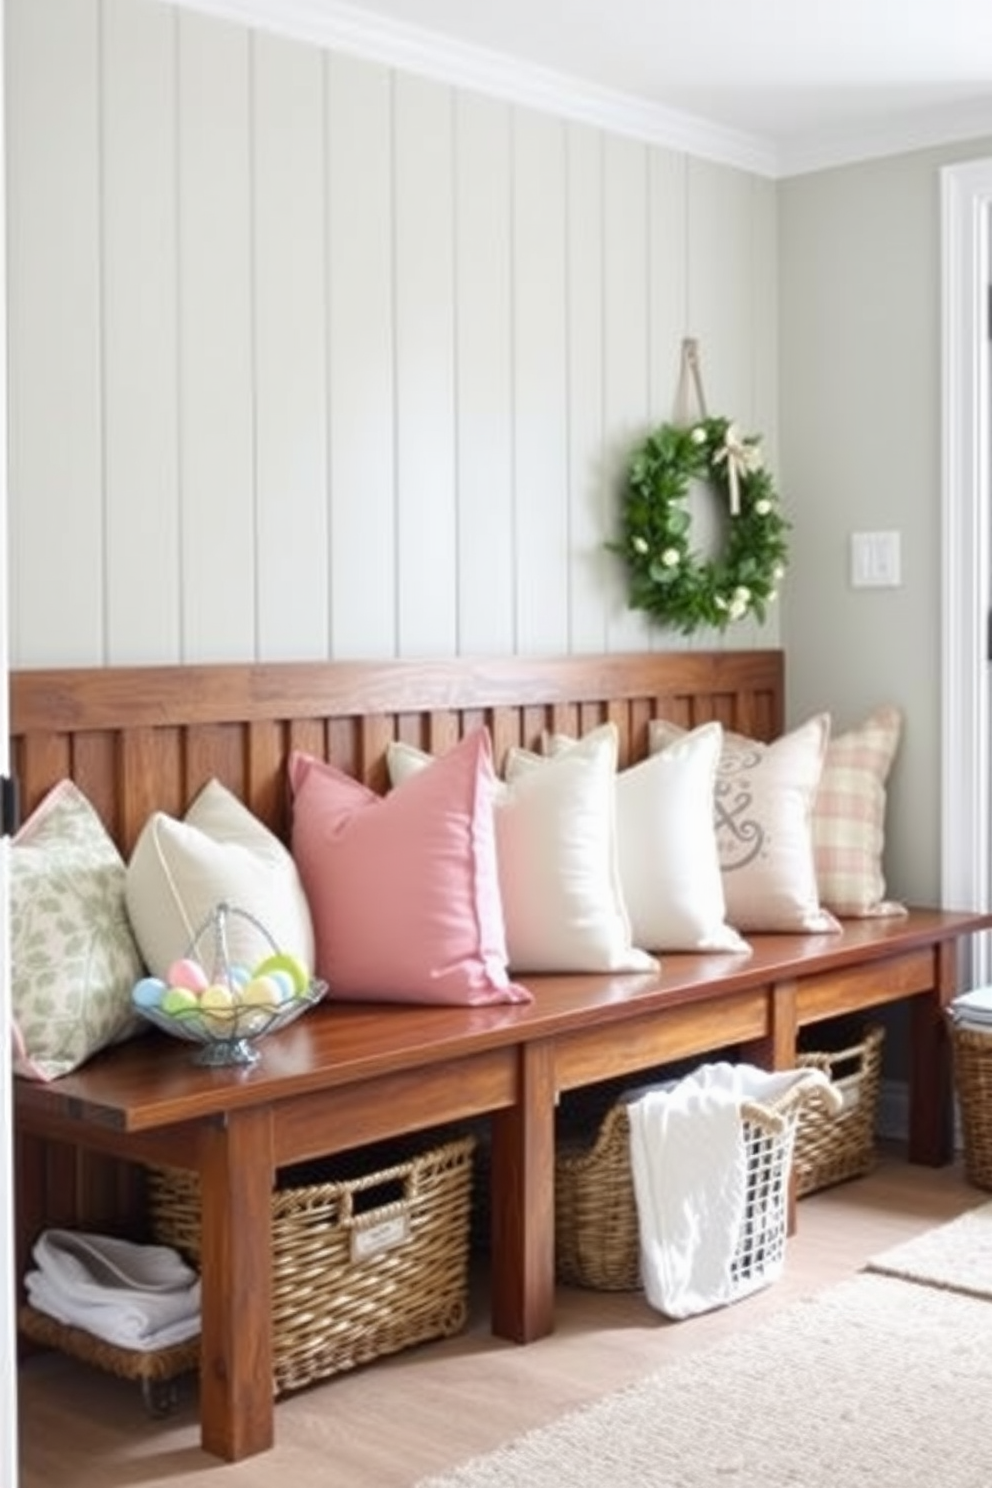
(219, 853)
(73, 959)
(563, 907)
(849, 817)
(763, 814)
(666, 844)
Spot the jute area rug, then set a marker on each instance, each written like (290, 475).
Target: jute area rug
(876, 1383)
(957, 1255)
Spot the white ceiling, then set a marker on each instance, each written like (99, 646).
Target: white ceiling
(774, 85)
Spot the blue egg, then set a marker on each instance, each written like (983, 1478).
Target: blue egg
(148, 992)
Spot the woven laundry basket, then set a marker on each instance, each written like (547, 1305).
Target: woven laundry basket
(362, 1266)
(972, 1055)
(157, 1371)
(832, 1148)
(596, 1223)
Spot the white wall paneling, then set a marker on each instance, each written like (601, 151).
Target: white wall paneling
(216, 342)
(361, 556)
(626, 347)
(57, 592)
(139, 317)
(289, 365)
(484, 368)
(310, 356)
(594, 584)
(423, 126)
(540, 416)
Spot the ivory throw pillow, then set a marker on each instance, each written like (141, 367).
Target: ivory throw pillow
(666, 844)
(218, 853)
(404, 888)
(73, 958)
(849, 817)
(556, 851)
(763, 815)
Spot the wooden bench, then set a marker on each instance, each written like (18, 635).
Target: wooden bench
(137, 739)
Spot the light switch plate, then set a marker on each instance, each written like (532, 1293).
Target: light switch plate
(876, 560)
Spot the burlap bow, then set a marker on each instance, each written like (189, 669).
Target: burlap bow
(742, 457)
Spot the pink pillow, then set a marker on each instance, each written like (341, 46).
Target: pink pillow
(404, 888)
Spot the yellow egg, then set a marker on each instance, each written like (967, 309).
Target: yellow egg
(217, 1008)
(262, 992)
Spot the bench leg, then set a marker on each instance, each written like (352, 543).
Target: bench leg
(236, 1389)
(931, 1112)
(523, 1215)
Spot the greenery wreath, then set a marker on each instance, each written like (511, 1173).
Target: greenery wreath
(666, 578)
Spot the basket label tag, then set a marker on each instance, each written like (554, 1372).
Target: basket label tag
(371, 1240)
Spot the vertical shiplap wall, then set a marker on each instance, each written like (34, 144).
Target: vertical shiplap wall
(309, 357)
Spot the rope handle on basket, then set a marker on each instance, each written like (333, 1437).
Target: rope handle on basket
(775, 1118)
(403, 1173)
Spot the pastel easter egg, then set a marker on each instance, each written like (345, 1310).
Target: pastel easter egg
(284, 982)
(148, 993)
(218, 1008)
(179, 1001)
(265, 992)
(282, 961)
(238, 977)
(187, 973)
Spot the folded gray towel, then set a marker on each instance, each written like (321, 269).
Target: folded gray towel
(136, 1296)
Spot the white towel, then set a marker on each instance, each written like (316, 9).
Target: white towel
(135, 1296)
(689, 1168)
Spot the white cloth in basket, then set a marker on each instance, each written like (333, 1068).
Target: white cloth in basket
(689, 1169)
(135, 1296)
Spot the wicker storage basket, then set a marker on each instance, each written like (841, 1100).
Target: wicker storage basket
(361, 1266)
(596, 1224)
(830, 1149)
(972, 1053)
(156, 1370)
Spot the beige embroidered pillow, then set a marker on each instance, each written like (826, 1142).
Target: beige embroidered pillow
(849, 817)
(73, 958)
(763, 817)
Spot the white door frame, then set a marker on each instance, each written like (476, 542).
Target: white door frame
(8, 1388)
(966, 209)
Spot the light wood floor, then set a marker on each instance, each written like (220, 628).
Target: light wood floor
(422, 1411)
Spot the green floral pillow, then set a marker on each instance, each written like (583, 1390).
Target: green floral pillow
(73, 957)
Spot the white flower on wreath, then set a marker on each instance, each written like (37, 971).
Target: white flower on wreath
(763, 507)
(670, 558)
(639, 544)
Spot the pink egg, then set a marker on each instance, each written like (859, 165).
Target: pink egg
(187, 973)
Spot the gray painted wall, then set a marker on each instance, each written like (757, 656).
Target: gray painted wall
(860, 418)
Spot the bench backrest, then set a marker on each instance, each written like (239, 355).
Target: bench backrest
(139, 739)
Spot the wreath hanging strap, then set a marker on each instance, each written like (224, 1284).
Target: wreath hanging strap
(665, 577)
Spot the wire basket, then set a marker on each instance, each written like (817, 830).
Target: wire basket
(832, 1148)
(236, 1006)
(597, 1242)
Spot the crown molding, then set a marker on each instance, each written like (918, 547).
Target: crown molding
(346, 28)
(340, 27)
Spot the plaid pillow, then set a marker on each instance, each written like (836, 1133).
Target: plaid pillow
(849, 817)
